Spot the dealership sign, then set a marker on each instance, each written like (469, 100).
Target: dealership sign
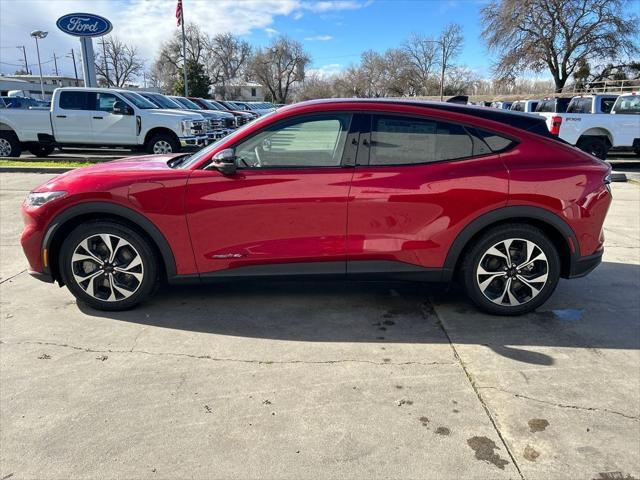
(84, 25)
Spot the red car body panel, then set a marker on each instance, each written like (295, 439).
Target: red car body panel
(406, 214)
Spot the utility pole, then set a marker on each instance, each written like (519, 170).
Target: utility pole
(75, 68)
(55, 63)
(442, 71)
(24, 54)
(106, 65)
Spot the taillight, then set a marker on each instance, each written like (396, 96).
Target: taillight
(555, 125)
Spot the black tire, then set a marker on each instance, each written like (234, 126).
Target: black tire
(479, 252)
(163, 140)
(596, 146)
(40, 150)
(9, 145)
(137, 289)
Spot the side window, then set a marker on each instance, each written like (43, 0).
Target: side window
(316, 141)
(606, 104)
(104, 101)
(495, 142)
(402, 141)
(518, 107)
(74, 100)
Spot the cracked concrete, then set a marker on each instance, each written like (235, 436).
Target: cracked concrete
(298, 380)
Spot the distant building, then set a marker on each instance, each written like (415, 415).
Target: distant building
(29, 85)
(240, 90)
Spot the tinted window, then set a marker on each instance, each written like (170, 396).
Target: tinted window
(138, 100)
(518, 107)
(73, 100)
(546, 106)
(495, 142)
(628, 105)
(308, 142)
(606, 104)
(580, 105)
(105, 101)
(401, 141)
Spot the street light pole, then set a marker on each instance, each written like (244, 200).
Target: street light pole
(39, 34)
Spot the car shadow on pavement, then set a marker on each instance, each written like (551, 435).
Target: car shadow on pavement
(600, 311)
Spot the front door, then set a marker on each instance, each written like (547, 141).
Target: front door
(285, 210)
(110, 128)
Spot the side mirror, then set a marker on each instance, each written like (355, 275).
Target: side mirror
(224, 161)
(121, 108)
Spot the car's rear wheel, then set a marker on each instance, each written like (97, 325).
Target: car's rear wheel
(108, 265)
(163, 143)
(511, 270)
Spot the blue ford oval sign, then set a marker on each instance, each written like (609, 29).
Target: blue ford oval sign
(84, 25)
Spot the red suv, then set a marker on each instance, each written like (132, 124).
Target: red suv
(355, 188)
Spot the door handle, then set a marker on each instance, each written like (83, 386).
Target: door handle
(365, 142)
(98, 118)
(61, 116)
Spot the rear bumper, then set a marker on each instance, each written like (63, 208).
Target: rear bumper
(584, 265)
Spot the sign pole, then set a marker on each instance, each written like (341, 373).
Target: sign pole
(88, 67)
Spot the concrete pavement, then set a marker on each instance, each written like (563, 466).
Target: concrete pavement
(321, 379)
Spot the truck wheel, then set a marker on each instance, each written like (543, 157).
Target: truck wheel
(596, 146)
(41, 151)
(9, 145)
(162, 143)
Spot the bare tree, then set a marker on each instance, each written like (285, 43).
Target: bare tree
(450, 46)
(423, 54)
(228, 57)
(118, 63)
(556, 35)
(170, 58)
(279, 66)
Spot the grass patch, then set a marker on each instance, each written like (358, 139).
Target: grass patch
(47, 163)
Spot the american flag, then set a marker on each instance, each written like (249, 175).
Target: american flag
(179, 12)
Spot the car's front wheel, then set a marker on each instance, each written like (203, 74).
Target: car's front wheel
(108, 265)
(511, 270)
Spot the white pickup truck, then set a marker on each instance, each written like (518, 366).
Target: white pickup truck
(598, 123)
(98, 117)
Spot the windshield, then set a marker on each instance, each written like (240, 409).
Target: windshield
(187, 103)
(212, 104)
(627, 105)
(186, 162)
(138, 100)
(164, 102)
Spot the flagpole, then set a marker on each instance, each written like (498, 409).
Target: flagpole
(184, 53)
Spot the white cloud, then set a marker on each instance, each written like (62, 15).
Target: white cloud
(271, 32)
(325, 71)
(319, 38)
(143, 23)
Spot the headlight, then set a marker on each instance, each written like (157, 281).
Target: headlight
(37, 199)
(186, 127)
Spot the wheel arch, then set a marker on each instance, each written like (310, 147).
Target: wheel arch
(66, 221)
(558, 231)
(597, 132)
(156, 130)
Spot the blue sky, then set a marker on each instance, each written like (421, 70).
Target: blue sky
(334, 32)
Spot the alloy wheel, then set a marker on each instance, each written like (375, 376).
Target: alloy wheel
(162, 146)
(512, 272)
(5, 147)
(107, 267)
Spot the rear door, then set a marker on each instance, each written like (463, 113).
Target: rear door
(417, 183)
(72, 117)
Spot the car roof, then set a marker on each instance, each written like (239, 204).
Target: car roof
(520, 120)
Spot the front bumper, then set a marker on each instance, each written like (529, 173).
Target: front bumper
(198, 141)
(218, 134)
(42, 276)
(584, 265)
